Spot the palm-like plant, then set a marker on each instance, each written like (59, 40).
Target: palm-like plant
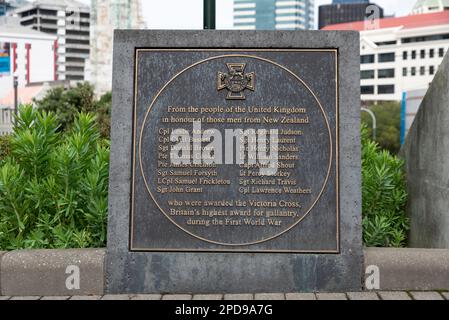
(384, 196)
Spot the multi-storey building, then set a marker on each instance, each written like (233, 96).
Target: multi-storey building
(341, 11)
(7, 6)
(69, 21)
(429, 6)
(107, 15)
(274, 14)
(403, 54)
(28, 55)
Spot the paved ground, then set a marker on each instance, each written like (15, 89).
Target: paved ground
(380, 295)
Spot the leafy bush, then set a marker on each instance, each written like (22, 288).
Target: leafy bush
(53, 186)
(388, 115)
(384, 196)
(67, 103)
(5, 146)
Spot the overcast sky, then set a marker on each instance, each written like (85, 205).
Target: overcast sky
(188, 14)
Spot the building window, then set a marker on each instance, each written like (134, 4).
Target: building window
(385, 89)
(367, 89)
(386, 43)
(414, 54)
(404, 72)
(386, 57)
(441, 52)
(413, 71)
(431, 53)
(385, 73)
(367, 74)
(422, 71)
(367, 58)
(404, 55)
(431, 70)
(435, 37)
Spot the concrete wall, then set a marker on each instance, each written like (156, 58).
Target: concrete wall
(426, 151)
(46, 272)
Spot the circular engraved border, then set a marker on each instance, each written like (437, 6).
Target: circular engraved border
(256, 58)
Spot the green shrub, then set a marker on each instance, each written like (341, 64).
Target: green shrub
(5, 146)
(384, 196)
(53, 186)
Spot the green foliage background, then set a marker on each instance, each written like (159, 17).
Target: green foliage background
(5, 146)
(53, 185)
(388, 115)
(384, 196)
(67, 103)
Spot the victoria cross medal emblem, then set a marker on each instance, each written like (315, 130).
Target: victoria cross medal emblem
(236, 81)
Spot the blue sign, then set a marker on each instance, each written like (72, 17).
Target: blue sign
(5, 59)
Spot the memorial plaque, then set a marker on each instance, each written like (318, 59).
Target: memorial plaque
(200, 205)
(235, 155)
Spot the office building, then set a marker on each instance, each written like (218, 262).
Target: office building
(345, 11)
(274, 14)
(429, 6)
(69, 21)
(403, 54)
(107, 15)
(8, 6)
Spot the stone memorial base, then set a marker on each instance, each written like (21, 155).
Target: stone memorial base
(150, 251)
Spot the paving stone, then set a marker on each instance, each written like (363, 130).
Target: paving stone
(208, 297)
(394, 295)
(362, 296)
(269, 296)
(55, 298)
(239, 296)
(147, 297)
(5, 297)
(85, 298)
(300, 296)
(426, 295)
(177, 297)
(331, 296)
(445, 295)
(25, 298)
(115, 297)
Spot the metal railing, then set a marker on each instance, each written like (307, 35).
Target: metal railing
(6, 120)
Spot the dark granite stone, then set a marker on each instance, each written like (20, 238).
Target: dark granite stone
(152, 244)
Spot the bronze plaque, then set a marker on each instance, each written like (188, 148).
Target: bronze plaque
(194, 105)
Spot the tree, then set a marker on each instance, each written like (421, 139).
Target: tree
(67, 103)
(388, 115)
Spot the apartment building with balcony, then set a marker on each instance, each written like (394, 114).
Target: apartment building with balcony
(70, 22)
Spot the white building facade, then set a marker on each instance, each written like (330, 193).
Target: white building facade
(31, 56)
(70, 22)
(403, 54)
(430, 6)
(274, 14)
